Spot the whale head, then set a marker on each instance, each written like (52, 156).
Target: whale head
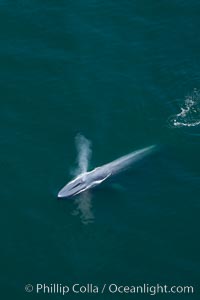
(74, 187)
(83, 182)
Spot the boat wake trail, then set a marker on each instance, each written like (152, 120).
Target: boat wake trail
(189, 115)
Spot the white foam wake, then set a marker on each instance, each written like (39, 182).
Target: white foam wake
(189, 115)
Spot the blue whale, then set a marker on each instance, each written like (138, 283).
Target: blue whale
(88, 180)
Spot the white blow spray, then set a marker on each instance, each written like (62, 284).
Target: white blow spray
(83, 147)
(84, 201)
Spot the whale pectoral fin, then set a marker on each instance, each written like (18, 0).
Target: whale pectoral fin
(103, 179)
(107, 176)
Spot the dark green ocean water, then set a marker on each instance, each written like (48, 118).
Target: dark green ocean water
(115, 71)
